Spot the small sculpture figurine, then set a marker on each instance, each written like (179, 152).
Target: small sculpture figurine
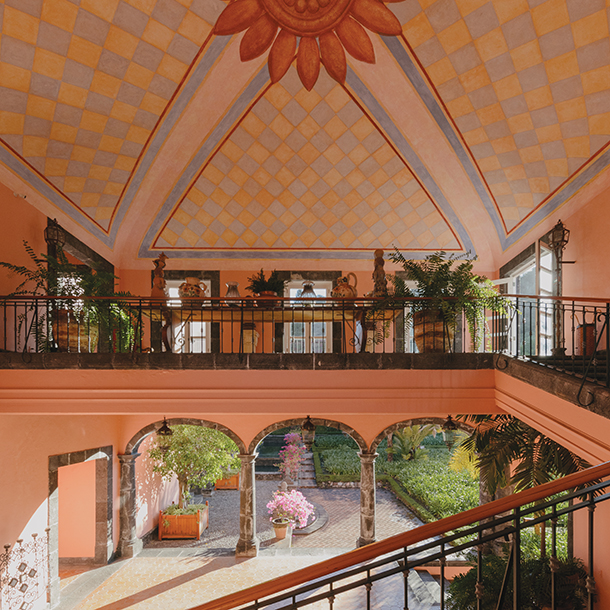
(159, 284)
(379, 280)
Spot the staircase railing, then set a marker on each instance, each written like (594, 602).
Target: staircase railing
(366, 567)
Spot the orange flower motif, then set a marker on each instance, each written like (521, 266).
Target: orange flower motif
(327, 29)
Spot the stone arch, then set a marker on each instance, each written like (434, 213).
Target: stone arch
(330, 423)
(137, 439)
(417, 421)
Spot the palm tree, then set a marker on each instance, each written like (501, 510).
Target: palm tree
(406, 442)
(502, 442)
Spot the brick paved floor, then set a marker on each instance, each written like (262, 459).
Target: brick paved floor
(179, 574)
(341, 531)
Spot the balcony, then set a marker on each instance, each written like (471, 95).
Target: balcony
(568, 335)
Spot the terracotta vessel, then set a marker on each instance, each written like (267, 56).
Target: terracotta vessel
(193, 288)
(430, 332)
(345, 290)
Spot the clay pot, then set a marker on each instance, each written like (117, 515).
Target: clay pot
(193, 288)
(430, 332)
(345, 290)
(72, 334)
(280, 527)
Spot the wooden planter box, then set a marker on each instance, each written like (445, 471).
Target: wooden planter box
(231, 482)
(183, 526)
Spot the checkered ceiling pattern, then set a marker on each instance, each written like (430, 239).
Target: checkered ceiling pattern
(83, 83)
(306, 170)
(527, 82)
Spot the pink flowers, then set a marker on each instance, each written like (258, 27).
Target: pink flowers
(292, 455)
(290, 505)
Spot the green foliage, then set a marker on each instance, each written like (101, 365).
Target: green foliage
(406, 442)
(452, 288)
(464, 458)
(191, 509)
(343, 461)
(535, 585)
(413, 505)
(258, 283)
(196, 455)
(56, 276)
(443, 491)
(334, 441)
(502, 441)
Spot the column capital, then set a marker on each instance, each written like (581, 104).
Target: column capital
(365, 456)
(128, 458)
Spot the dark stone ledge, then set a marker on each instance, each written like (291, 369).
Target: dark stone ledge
(557, 383)
(324, 362)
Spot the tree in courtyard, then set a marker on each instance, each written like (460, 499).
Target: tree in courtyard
(195, 455)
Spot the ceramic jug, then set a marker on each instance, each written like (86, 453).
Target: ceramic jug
(193, 288)
(345, 290)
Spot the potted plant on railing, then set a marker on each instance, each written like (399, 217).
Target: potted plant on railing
(450, 288)
(267, 288)
(74, 323)
(196, 456)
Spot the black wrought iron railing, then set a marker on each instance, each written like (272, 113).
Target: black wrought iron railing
(371, 568)
(567, 334)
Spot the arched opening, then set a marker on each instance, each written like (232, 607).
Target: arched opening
(146, 490)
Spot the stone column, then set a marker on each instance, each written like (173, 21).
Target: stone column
(129, 544)
(247, 545)
(367, 498)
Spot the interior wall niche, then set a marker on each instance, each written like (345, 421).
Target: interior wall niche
(104, 546)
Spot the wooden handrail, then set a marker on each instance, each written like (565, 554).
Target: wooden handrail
(430, 530)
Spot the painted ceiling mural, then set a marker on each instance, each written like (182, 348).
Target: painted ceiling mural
(307, 156)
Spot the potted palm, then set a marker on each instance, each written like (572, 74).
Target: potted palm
(72, 323)
(267, 287)
(196, 456)
(450, 288)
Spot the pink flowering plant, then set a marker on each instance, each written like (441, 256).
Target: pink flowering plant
(292, 455)
(290, 505)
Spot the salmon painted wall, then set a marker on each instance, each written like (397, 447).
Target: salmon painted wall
(153, 493)
(77, 510)
(248, 401)
(589, 246)
(20, 221)
(27, 443)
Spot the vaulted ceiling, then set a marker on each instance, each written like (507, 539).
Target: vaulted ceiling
(138, 123)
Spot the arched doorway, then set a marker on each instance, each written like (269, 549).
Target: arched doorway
(130, 544)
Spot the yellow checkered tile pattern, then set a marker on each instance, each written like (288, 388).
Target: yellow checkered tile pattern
(83, 83)
(306, 170)
(527, 83)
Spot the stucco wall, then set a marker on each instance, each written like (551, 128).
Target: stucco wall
(77, 510)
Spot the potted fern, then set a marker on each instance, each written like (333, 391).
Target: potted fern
(268, 288)
(450, 288)
(74, 323)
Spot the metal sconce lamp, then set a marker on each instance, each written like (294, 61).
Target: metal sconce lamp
(559, 237)
(449, 430)
(164, 432)
(308, 431)
(54, 236)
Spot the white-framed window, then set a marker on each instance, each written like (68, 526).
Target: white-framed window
(302, 336)
(189, 336)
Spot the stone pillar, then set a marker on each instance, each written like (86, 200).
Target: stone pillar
(129, 544)
(247, 545)
(367, 498)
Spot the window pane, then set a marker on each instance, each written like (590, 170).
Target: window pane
(297, 346)
(297, 329)
(318, 329)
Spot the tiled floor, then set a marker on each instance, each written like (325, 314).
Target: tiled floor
(180, 574)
